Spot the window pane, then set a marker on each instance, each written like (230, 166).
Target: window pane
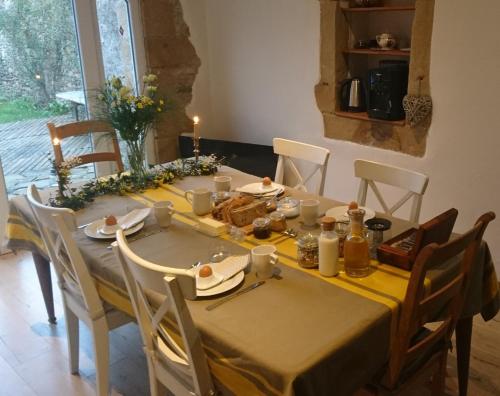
(40, 82)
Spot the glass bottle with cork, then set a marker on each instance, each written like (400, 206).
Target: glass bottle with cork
(356, 251)
(328, 248)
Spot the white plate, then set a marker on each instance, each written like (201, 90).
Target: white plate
(223, 287)
(206, 283)
(340, 213)
(259, 188)
(92, 230)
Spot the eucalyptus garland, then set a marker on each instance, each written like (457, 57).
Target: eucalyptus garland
(76, 197)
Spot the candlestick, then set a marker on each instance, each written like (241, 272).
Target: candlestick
(196, 126)
(196, 137)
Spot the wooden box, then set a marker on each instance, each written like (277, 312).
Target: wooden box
(402, 250)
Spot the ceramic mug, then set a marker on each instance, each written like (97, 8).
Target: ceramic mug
(309, 211)
(264, 259)
(163, 211)
(222, 183)
(200, 200)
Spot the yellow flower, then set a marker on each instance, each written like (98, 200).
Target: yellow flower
(116, 82)
(151, 88)
(124, 92)
(159, 109)
(149, 78)
(161, 102)
(140, 105)
(147, 101)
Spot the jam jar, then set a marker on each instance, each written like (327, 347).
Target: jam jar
(308, 251)
(278, 221)
(261, 227)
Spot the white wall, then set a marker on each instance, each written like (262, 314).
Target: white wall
(260, 64)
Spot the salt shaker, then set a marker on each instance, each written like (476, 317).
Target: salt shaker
(328, 248)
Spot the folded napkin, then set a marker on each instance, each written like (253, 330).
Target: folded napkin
(231, 265)
(133, 218)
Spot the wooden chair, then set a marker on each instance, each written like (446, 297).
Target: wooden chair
(426, 322)
(182, 370)
(57, 134)
(370, 172)
(288, 150)
(80, 298)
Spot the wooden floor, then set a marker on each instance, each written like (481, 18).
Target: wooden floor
(34, 359)
(26, 153)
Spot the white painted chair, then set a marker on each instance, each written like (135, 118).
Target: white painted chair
(415, 183)
(80, 298)
(288, 150)
(182, 370)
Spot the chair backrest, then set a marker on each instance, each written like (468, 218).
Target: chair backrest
(186, 368)
(56, 225)
(442, 307)
(288, 150)
(58, 133)
(415, 183)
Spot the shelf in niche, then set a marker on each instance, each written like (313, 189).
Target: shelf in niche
(378, 9)
(376, 52)
(364, 117)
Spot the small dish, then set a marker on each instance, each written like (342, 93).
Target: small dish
(92, 230)
(204, 283)
(289, 207)
(108, 229)
(259, 188)
(340, 213)
(223, 287)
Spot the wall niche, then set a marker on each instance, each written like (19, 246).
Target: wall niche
(343, 24)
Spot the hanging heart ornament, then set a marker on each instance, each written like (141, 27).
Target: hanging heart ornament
(417, 107)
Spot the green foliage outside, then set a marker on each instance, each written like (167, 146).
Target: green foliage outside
(41, 57)
(23, 109)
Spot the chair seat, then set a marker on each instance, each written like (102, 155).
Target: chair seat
(114, 317)
(411, 369)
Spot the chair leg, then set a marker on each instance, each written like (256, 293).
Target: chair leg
(438, 380)
(153, 381)
(73, 334)
(101, 354)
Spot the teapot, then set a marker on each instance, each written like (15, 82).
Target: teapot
(386, 40)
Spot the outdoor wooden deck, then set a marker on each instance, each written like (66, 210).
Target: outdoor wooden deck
(26, 152)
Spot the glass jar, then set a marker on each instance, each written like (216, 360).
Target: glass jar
(308, 251)
(278, 221)
(261, 228)
(289, 207)
(356, 251)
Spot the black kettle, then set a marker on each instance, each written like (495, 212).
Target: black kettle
(352, 95)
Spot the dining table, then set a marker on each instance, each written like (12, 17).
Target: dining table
(299, 333)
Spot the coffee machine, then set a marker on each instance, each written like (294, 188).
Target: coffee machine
(386, 87)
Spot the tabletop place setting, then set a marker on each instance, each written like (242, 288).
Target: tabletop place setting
(235, 261)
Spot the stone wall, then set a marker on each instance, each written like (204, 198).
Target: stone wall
(171, 55)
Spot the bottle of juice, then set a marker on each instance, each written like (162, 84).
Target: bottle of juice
(356, 252)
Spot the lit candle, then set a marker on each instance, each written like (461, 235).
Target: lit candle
(196, 127)
(56, 142)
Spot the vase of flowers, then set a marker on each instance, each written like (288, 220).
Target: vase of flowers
(132, 116)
